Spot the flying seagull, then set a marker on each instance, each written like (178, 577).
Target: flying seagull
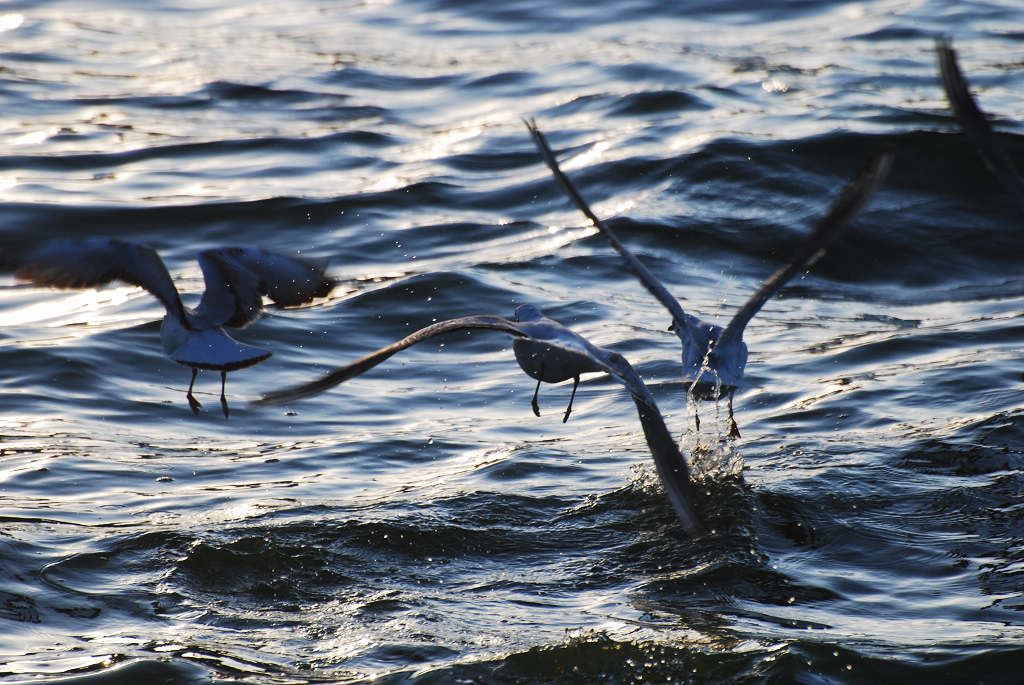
(715, 357)
(236, 279)
(547, 351)
(972, 120)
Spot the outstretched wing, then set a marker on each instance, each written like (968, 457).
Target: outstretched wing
(853, 198)
(91, 262)
(649, 280)
(972, 119)
(344, 373)
(670, 463)
(237, 278)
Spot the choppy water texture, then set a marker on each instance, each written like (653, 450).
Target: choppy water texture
(419, 524)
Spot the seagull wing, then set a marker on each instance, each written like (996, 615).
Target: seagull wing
(972, 119)
(288, 280)
(853, 198)
(237, 278)
(232, 295)
(344, 373)
(671, 465)
(649, 280)
(672, 468)
(91, 262)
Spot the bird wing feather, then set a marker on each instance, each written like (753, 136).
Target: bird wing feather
(973, 121)
(671, 466)
(681, 321)
(232, 296)
(344, 373)
(91, 262)
(237, 278)
(852, 199)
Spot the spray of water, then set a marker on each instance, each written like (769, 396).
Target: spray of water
(718, 457)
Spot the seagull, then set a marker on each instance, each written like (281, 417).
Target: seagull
(546, 363)
(715, 357)
(549, 352)
(236, 279)
(972, 120)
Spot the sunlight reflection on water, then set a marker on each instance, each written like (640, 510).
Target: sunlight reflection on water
(420, 521)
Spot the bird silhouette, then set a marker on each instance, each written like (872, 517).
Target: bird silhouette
(236, 280)
(714, 358)
(549, 352)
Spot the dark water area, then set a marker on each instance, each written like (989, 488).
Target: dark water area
(419, 524)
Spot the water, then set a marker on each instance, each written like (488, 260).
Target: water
(419, 524)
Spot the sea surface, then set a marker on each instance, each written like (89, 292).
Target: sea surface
(419, 524)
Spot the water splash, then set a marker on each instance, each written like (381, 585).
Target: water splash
(692, 397)
(715, 458)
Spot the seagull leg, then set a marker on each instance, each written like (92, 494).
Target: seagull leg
(192, 401)
(533, 402)
(568, 410)
(223, 399)
(734, 430)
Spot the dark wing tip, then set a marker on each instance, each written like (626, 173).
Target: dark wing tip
(324, 383)
(358, 367)
(55, 278)
(548, 156)
(857, 192)
(955, 85)
(973, 121)
(295, 392)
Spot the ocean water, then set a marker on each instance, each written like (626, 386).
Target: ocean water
(419, 524)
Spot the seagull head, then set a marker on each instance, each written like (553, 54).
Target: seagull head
(527, 312)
